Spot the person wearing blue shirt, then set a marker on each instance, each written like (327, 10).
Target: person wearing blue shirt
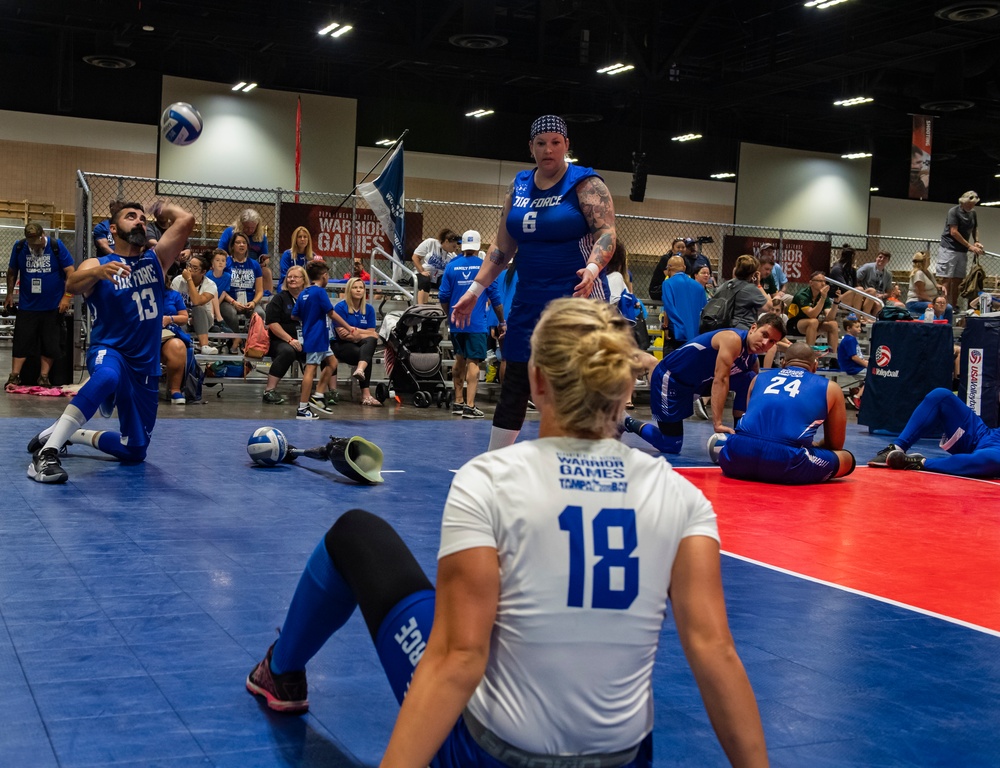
(125, 295)
(469, 341)
(249, 223)
(175, 343)
(42, 264)
(312, 308)
(359, 349)
(683, 300)
(246, 285)
(298, 254)
(774, 441)
(104, 241)
(851, 362)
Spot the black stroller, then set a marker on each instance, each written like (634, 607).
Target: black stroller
(413, 357)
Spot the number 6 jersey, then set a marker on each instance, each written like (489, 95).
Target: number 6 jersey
(586, 533)
(126, 313)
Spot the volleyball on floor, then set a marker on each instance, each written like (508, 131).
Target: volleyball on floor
(715, 443)
(181, 124)
(267, 447)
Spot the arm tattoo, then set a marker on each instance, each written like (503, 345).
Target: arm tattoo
(498, 257)
(599, 210)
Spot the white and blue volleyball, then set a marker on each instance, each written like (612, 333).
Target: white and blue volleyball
(181, 124)
(267, 447)
(715, 443)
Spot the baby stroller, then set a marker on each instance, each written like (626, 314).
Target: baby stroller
(413, 356)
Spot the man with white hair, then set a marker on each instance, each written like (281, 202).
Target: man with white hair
(959, 237)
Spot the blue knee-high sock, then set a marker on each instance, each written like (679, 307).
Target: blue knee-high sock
(652, 435)
(320, 606)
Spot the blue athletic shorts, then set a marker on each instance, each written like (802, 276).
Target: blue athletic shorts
(471, 346)
(753, 458)
(673, 401)
(136, 395)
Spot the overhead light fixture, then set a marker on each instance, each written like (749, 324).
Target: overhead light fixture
(148, 28)
(873, 189)
(249, 87)
(615, 69)
(385, 142)
(821, 4)
(479, 113)
(328, 28)
(991, 204)
(335, 29)
(853, 102)
(723, 176)
(239, 85)
(571, 159)
(687, 137)
(996, 176)
(856, 155)
(342, 31)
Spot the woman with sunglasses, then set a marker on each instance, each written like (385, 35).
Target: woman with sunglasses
(430, 259)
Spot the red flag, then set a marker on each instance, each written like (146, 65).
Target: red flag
(298, 148)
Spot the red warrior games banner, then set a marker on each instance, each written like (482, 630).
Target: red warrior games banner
(920, 158)
(331, 230)
(798, 258)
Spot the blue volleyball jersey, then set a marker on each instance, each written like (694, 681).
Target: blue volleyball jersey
(693, 365)
(458, 276)
(312, 308)
(127, 313)
(242, 278)
(552, 234)
(787, 405)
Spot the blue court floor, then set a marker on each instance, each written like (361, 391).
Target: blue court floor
(135, 600)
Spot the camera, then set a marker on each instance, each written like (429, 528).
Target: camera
(705, 239)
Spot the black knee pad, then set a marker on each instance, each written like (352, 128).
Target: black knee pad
(514, 397)
(854, 464)
(671, 428)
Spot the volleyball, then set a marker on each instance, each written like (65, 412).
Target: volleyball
(267, 447)
(715, 443)
(181, 124)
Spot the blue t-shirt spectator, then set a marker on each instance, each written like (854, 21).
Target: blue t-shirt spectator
(42, 276)
(257, 247)
(242, 278)
(846, 350)
(287, 262)
(358, 319)
(103, 232)
(222, 282)
(459, 274)
(312, 308)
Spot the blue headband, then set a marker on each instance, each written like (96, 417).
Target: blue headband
(548, 124)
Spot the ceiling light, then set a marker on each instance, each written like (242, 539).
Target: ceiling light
(239, 85)
(997, 176)
(991, 203)
(687, 137)
(148, 28)
(343, 30)
(873, 189)
(856, 155)
(385, 142)
(821, 4)
(249, 87)
(619, 69)
(723, 176)
(479, 113)
(329, 28)
(853, 102)
(605, 70)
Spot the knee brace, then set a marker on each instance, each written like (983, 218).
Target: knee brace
(514, 396)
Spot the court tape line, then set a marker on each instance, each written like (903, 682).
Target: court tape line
(853, 591)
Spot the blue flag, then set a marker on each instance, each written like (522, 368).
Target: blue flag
(385, 196)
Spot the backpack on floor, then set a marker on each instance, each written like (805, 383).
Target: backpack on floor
(258, 341)
(719, 310)
(194, 377)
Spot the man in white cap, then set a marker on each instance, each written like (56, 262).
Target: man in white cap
(960, 237)
(469, 342)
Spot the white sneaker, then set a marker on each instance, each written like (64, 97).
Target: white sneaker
(207, 350)
(304, 414)
(699, 409)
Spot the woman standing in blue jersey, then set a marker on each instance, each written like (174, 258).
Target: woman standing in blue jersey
(560, 220)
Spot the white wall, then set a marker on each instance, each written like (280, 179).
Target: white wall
(917, 218)
(77, 132)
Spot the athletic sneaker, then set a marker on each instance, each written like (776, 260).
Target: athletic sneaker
(14, 380)
(471, 412)
(319, 403)
(207, 350)
(304, 414)
(631, 425)
(899, 459)
(457, 408)
(107, 408)
(699, 409)
(531, 406)
(177, 398)
(45, 467)
(879, 460)
(272, 398)
(283, 693)
(331, 397)
(43, 381)
(36, 443)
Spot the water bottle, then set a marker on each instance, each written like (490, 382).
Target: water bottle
(985, 303)
(929, 314)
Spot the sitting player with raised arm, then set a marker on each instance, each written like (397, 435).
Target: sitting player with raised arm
(785, 408)
(710, 363)
(125, 295)
(525, 596)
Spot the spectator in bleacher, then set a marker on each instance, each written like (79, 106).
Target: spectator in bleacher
(104, 241)
(961, 233)
(298, 254)
(619, 279)
(219, 274)
(357, 350)
(704, 277)
(942, 309)
(42, 264)
(812, 310)
(284, 332)
(895, 296)
(660, 270)
(683, 299)
(923, 287)
(751, 300)
(246, 283)
(430, 258)
(199, 295)
(358, 270)
(249, 223)
(693, 258)
(772, 279)
(843, 271)
(174, 344)
(851, 362)
(875, 279)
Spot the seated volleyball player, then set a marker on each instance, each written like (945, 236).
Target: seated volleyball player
(557, 554)
(711, 363)
(785, 408)
(974, 447)
(125, 294)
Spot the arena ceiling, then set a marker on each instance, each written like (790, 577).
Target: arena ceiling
(763, 71)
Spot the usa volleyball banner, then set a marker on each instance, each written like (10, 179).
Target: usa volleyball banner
(920, 158)
(385, 196)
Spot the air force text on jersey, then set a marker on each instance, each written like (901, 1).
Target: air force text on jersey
(539, 202)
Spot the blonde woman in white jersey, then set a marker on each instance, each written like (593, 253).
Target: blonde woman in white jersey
(557, 558)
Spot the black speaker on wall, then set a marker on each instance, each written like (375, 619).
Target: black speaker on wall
(638, 193)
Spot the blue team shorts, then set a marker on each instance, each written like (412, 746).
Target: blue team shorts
(317, 358)
(136, 395)
(767, 461)
(471, 346)
(671, 400)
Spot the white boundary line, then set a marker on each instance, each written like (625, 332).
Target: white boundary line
(896, 603)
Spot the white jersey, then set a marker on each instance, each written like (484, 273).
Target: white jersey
(433, 257)
(586, 532)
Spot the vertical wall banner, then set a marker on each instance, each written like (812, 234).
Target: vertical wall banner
(798, 258)
(385, 196)
(920, 158)
(298, 148)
